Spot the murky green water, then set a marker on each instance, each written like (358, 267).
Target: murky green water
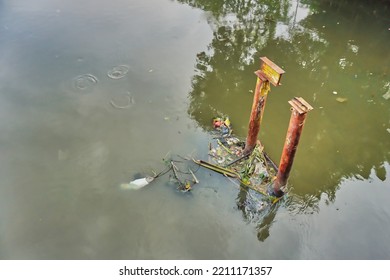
(93, 95)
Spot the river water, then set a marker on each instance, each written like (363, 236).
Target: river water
(96, 94)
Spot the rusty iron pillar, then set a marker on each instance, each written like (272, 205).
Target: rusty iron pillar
(269, 73)
(259, 99)
(299, 109)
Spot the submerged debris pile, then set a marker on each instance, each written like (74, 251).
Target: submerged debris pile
(255, 170)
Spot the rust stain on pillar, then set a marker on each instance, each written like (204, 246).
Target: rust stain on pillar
(259, 99)
(299, 109)
(269, 73)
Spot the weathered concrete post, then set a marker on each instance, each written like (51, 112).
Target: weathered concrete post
(269, 73)
(298, 115)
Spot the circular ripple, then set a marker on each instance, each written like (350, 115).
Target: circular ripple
(118, 72)
(123, 101)
(85, 82)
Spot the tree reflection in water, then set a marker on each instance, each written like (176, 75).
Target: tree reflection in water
(297, 33)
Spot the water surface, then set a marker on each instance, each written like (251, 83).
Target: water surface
(96, 95)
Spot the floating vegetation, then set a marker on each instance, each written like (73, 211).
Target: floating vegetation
(85, 82)
(118, 72)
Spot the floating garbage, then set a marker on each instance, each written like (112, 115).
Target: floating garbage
(181, 174)
(255, 171)
(249, 172)
(341, 99)
(222, 125)
(387, 95)
(138, 183)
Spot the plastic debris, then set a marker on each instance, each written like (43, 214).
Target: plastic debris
(217, 123)
(180, 172)
(138, 183)
(254, 170)
(341, 99)
(387, 95)
(223, 125)
(227, 122)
